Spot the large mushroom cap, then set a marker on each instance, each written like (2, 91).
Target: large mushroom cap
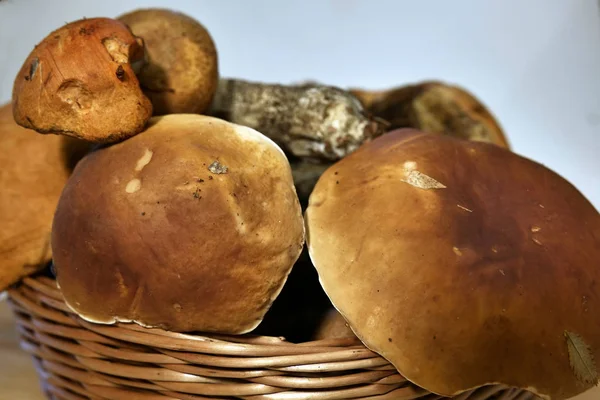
(80, 81)
(461, 263)
(33, 171)
(192, 225)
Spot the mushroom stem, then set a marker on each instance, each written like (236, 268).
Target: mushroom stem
(308, 120)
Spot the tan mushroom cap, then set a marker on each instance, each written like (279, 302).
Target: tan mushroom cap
(460, 262)
(182, 73)
(33, 171)
(192, 225)
(80, 81)
(435, 107)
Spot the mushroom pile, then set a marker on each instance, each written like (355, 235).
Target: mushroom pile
(162, 194)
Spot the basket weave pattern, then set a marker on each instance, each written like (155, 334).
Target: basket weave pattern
(77, 360)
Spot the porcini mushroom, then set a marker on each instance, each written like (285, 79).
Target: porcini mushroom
(192, 225)
(80, 81)
(461, 263)
(182, 73)
(33, 170)
(435, 107)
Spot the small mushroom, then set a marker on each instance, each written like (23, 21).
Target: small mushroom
(333, 326)
(182, 73)
(435, 107)
(80, 81)
(145, 232)
(33, 171)
(461, 263)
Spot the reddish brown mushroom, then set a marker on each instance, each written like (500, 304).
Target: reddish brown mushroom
(80, 81)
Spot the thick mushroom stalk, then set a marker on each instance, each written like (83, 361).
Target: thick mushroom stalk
(80, 81)
(310, 121)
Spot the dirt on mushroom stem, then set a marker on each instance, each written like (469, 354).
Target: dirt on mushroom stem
(308, 121)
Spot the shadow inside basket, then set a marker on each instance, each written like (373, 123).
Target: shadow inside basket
(76, 359)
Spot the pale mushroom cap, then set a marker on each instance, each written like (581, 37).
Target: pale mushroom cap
(460, 262)
(192, 225)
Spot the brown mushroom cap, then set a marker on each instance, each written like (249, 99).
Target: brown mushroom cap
(435, 107)
(79, 81)
(33, 170)
(460, 262)
(192, 225)
(182, 74)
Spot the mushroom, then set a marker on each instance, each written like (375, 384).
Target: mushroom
(333, 326)
(182, 73)
(435, 107)
(80, 81)
(33, 170)
(192, 225)
(462, 263)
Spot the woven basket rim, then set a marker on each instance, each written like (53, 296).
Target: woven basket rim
(77, 359)
(254, 345)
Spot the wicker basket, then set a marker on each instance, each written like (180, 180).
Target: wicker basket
(79, 360)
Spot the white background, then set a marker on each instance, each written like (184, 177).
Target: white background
(535, 63)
